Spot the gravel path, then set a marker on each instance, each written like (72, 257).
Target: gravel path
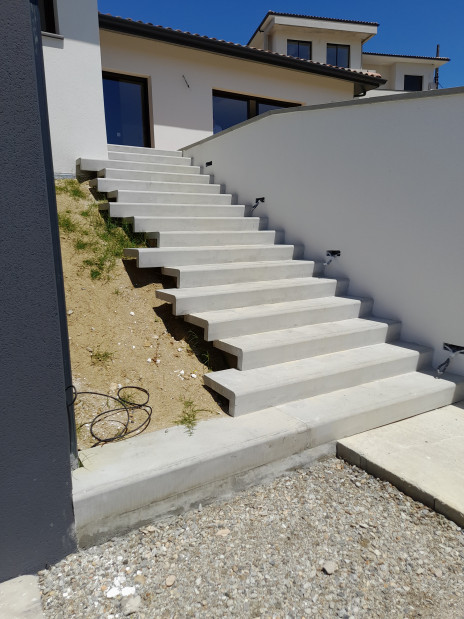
(329, 541)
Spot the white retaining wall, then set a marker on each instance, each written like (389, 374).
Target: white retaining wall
(380, 179)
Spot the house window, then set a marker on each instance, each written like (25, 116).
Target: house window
(47, 16)
(299, 49)
(230, 109)
(413, 82)
(126, 109)
(338, 55)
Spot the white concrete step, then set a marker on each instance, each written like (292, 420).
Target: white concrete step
(142, 150)
(144, 175)
(152, 197)
(111, 184)
(222, 324)
(346, 412)
(151, 225)
(189, 300)
(253, 390)
(141, 158)
(95, 165)
(134, 209)
(214, 238)
(178, 256)
(273, 347)
(236, 273)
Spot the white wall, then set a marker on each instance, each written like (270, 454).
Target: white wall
(380, 179)
(74, 86)
(404, 68)
(182, 114)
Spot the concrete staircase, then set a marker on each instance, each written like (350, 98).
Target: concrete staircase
(297, 342)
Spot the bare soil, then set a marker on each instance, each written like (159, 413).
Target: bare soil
(120, 334)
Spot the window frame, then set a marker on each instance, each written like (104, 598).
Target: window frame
(298, 42)
(409, 75)
(48, 20)
(337, 46)
(252, 103)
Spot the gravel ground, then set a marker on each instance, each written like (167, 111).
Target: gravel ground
(329, 541)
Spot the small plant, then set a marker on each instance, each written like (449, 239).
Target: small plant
(188, 417)
(66, 223)
(80, 244)
(71, 187)
(205, 358)
(102, 357)
(116, 291)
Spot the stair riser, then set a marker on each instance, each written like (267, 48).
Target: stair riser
(175, 210)
(151, 226)
(95, 165)
(149, 158)
(151, 197)
(241, 299)
(205, 239)
(166, 257)
(298, 318)
(310, 387)
(142, 150)
(248, 360)
(240, 275)
(108, 184)
(140, 175)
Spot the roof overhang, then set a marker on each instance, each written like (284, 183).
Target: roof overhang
(362, 81)
(389, 59)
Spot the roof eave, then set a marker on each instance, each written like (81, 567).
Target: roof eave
(117, 24)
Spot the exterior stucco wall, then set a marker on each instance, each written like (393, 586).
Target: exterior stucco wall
(36, 514)
(381, 180)
(74, 86)
(182, 114)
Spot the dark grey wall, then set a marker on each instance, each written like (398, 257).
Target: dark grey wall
(36, 516)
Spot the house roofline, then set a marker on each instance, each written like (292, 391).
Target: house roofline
(441, 58)
(331, 19)
(187, 39)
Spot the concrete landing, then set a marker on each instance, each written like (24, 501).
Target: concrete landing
(20, 598)
(423, 456)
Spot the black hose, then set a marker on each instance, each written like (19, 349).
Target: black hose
(128, 407)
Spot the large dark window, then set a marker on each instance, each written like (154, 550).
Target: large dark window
(230, 109)
(299, 49)
(338, 55)
(126, 109)
(413, 82)
(47, 16)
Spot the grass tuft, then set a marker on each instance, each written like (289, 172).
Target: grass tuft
(102, 357)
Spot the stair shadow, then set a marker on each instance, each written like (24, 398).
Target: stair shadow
(146, 276)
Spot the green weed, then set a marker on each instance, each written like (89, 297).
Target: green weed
(66, 223)
(80, 244)
(188, 417)
(71, 187)
(102, 357)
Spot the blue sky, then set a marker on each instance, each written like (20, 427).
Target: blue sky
(406, 26)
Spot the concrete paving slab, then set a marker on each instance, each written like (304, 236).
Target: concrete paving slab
(20, 598)
(423, 456)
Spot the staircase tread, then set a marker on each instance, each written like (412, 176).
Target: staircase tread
(231, 266)
(243, 287)
(262, 378)
(208, 247)
(269, 339)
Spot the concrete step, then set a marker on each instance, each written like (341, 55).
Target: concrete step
(236, 273)
(142, 150)
(178, 256)
(126, 210)
(273, 347)
(151, 225)
(152, 197)
(144, 175)
(346, 412)
(222, 324)
(152, 158)
(253, 390)
(214, 238)
(95, 165)
(188, 300)
(111, 184)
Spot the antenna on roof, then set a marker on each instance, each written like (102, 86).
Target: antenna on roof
(436, 70)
